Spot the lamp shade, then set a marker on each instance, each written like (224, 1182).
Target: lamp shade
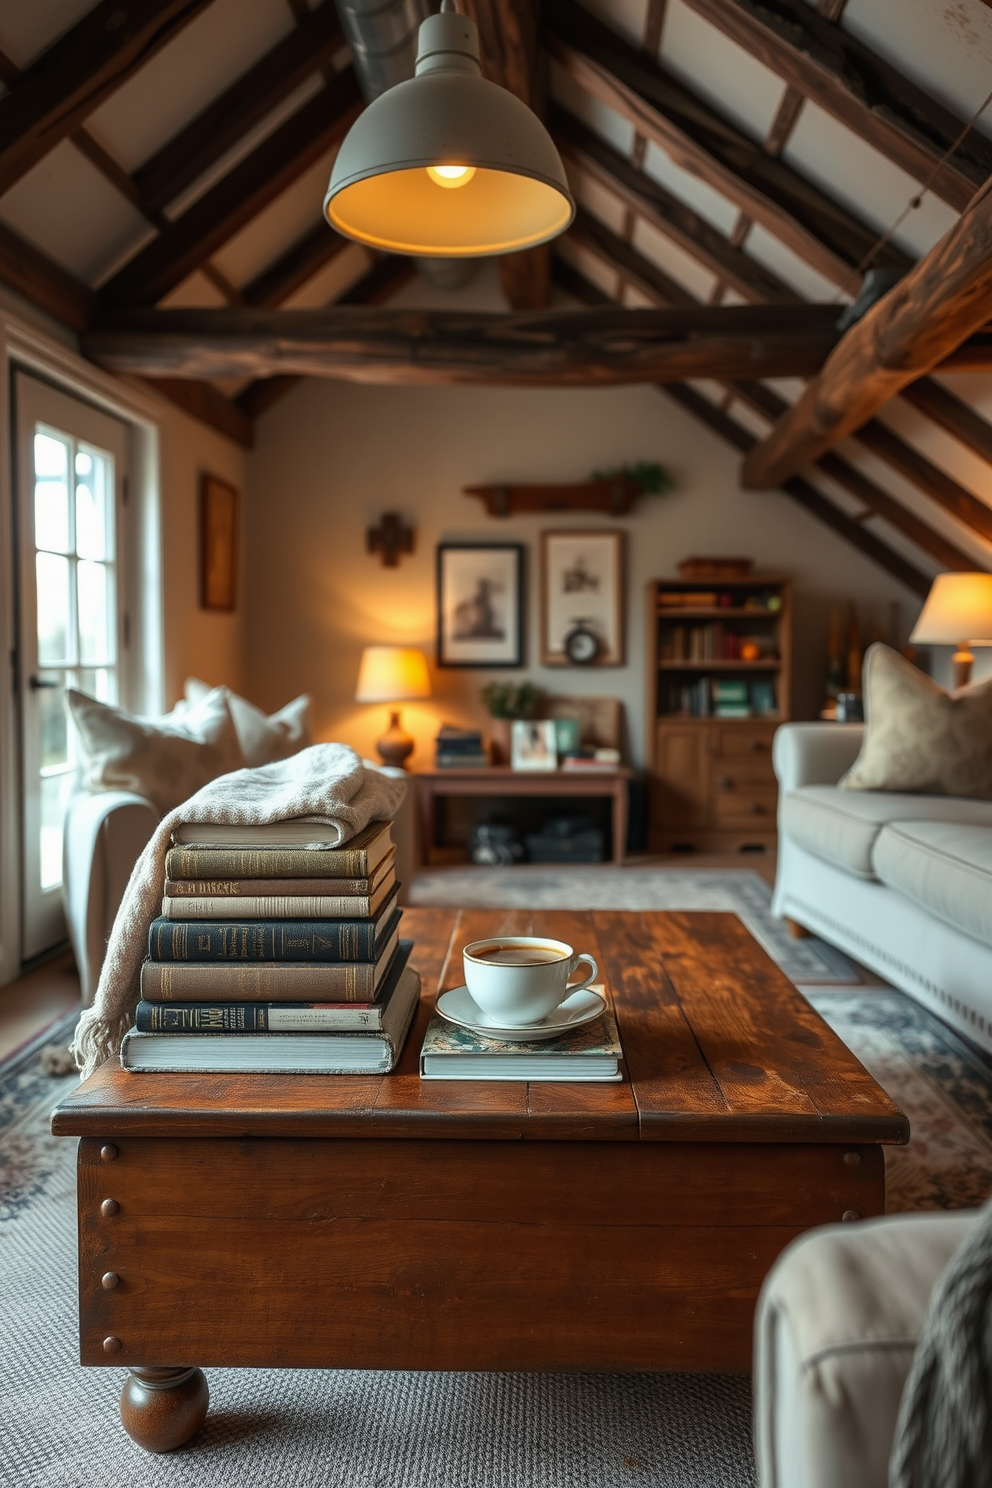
(958, 608)
(392, 674)
(447, 164)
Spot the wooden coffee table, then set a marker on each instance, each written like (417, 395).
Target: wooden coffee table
(389, 1223)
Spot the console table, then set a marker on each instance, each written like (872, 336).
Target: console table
(501, 781)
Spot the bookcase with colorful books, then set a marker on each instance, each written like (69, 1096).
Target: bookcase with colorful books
(276, 951)
(719, 657)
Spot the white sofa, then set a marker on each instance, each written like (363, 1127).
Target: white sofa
(901, 882)
(838, 1320)
(105, 832)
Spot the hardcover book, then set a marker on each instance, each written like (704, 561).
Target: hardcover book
(198, 1018)
(282, 906)
(592, 1054)
(264, 856)
(246, 888)
(267, 981)
(279, 1053)
(271, 940)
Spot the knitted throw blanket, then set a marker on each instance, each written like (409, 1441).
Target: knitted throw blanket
(327, 784)
(944, 1433)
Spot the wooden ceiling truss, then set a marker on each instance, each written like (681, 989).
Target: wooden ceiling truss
(819, 62)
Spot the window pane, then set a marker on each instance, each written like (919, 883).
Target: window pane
(53, 724)
(99, 682)
(53, 607)
(93, 588)
(51, 493)
(55, 792)
(94, 503)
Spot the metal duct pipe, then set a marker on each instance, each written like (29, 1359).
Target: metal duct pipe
(383, 39)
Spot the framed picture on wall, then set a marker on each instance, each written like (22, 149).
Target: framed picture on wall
(218, 544)
(582, 598)
(480, 605)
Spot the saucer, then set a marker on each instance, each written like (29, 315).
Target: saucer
(583, 1007)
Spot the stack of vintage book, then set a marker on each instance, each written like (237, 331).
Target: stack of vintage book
(275, 951)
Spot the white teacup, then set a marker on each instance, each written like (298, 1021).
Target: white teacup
(520, 979)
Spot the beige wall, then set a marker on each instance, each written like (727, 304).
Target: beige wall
(197, 642)
(331, 457)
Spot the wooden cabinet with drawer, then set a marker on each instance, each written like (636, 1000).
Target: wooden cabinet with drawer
(712, 784)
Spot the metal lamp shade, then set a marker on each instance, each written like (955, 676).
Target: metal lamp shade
(380, 191)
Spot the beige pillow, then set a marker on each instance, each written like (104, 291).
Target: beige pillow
(166, 760)
(263, 738)
(919, 737)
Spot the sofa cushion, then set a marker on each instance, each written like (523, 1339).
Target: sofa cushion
(842, 826)
(946, 867)
(263, 739)
(919, 737)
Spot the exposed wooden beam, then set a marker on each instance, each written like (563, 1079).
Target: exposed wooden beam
(31, 273)
(848, 80)
(637, 270)
(698, 139)
(305, 258)
(930, 479)
(218, 127)
(660, 209)
(878, 502)
(239, 196)
(508, 49)
(208, 405)
(909, 331)
(952, 415)
(530, 348)
(75, 75)
(806, 494)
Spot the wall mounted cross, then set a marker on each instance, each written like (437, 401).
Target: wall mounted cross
(390, 539)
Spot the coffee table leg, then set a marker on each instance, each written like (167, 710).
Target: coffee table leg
(162, 1408)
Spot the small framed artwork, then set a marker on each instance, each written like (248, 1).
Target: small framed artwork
(218, 544)
(480, 605)
(534, 744)
(582, 598)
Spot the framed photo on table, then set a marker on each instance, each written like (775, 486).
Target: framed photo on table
(218, 544)
(582, 598)
(480, 605)
(534, 744)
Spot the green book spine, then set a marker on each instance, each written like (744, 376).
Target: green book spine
(267, 862)
(264, 940)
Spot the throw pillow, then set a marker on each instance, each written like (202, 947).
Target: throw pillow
(166, 760)
(919, 737)
(263, 739)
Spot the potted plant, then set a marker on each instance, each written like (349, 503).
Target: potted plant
(504, 701)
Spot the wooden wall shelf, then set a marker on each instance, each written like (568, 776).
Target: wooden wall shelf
(615, 497)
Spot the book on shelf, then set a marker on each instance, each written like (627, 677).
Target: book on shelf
(452, 740)
(280, 1053)
(589, 1054)
(246, 888)
(707, 697)
(294, 849)
(271, 940)
(282, 906)
(268, 981)
(461, 761)
(254, 1016)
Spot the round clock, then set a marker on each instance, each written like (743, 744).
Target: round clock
(580, 645)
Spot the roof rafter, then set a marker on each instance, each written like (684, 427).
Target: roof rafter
(44, 283)
(73, 77)
(637, 270)
(835, 70)
(238, 197)
(661, 109)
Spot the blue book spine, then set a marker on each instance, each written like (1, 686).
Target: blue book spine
(266, 940)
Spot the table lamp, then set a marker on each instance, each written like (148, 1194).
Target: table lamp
(958, 612)
(393, 674)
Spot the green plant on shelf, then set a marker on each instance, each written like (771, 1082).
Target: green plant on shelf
(509, 699)
(653, 479)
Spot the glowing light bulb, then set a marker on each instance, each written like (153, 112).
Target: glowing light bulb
(451, 176)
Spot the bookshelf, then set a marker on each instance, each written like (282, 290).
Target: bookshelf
(718, 656)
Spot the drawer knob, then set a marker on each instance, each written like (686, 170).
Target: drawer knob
(108, 1152)
(852, 1159)
(111, 1345)
(109, 1208)
(109, 1280)
(724, 782)
(850, 1215)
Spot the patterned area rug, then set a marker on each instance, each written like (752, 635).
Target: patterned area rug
(353, 1429)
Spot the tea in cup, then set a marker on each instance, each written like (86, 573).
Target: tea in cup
(519, 979)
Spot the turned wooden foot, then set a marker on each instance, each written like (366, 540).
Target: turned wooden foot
(797, 931)
(162, 1408)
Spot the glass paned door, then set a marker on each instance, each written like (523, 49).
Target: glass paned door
(70, 474)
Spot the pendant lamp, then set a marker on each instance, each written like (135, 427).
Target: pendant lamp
(447, 164)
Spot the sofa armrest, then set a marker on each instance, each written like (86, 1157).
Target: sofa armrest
(814, 753)
(104, 835)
